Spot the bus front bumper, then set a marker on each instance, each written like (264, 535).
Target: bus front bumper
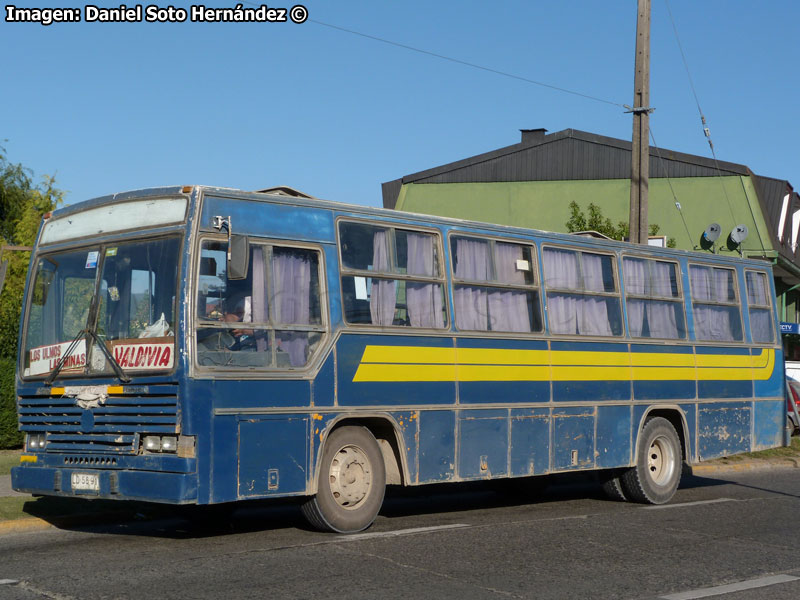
(123, 484)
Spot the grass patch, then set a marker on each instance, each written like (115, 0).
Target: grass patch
(8, 459)
(792, 451)
(12, 508)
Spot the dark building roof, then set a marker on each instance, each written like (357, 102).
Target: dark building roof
(565, 155)
(578, 155)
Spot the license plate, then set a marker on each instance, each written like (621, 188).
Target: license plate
(85, 481)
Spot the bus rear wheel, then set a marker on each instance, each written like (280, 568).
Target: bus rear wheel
(352, 482)
(612, 486)
(657, 473)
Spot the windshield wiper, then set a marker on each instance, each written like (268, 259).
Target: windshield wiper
(106, 352)
(110, 357)
(59, 365)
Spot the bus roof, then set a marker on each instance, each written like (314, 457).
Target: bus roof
(398, 216)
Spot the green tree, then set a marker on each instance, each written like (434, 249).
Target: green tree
(22, 205)
(595, 221)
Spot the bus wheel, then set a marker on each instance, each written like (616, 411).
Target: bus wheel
(657, 473)
(612, 486)
(351, 484)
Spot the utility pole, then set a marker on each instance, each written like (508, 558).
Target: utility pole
(640, 149)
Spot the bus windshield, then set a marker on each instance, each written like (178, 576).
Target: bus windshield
(122, 292)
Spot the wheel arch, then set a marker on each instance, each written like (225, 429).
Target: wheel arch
(676, 417)
(390, 439)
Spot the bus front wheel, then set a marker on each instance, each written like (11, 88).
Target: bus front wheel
(352, 482)
(657, 473)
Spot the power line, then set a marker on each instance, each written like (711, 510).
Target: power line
(669, 182)
(706, 130)
(457, 60)
(465, 63)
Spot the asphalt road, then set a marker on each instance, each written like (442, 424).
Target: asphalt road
(470, 541)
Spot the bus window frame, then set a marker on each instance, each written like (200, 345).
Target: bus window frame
(615, 267)
(680, 298)
(736, 302)
(537, 285)
(760, 306)
(308, 370)
(394, 276)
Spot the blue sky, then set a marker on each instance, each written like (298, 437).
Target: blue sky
(114, 107)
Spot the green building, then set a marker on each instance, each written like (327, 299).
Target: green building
(532, 183)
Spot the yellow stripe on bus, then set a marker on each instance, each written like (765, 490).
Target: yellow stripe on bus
(424, 364)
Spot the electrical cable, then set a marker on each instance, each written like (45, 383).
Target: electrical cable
(456, 60)
(465, 63)
(706, 130)
(669, 182)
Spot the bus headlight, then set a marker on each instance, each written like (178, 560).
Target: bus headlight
(157, 443)
(36, 441)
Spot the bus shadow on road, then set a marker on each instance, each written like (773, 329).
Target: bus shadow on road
(167, 521)
(189, 522)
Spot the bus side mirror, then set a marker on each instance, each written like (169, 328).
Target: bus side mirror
(238, 257)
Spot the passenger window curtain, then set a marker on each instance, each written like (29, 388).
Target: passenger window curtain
(593, 312)
(383, 298)
(561, 271)
(424, 299)
(472, 264)
(508, 309)
(650, 317)
(713, 322)
(635, 284)
(579, 313)
(593, 280)
(291, 274)
(760, 318)
(757, 289)
(665, 319)
(665, 281)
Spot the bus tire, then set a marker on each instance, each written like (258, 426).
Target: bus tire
(352, 482)
(657, 473)
(612, 486)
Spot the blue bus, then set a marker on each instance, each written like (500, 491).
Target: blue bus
(200, 345)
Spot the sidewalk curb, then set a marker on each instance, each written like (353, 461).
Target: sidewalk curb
(744, 465)
(24, 525)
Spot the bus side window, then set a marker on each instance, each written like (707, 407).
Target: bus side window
(492, 286)
(653, 299)
(271, 319)
(582, 295)
(715, 304)
(391, 277)
(759, 307)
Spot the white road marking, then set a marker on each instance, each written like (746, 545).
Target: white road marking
(732, 587)
(384, 534)
(9, 581)
(684, 504)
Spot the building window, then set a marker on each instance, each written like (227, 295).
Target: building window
(715, 304)
(653, 299)
(582, 295)
(391, 277)
(494, 286)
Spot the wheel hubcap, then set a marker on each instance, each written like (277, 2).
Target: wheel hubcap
(661, 461)
(350, 476)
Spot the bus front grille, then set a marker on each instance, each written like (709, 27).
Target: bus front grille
(115, 426)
